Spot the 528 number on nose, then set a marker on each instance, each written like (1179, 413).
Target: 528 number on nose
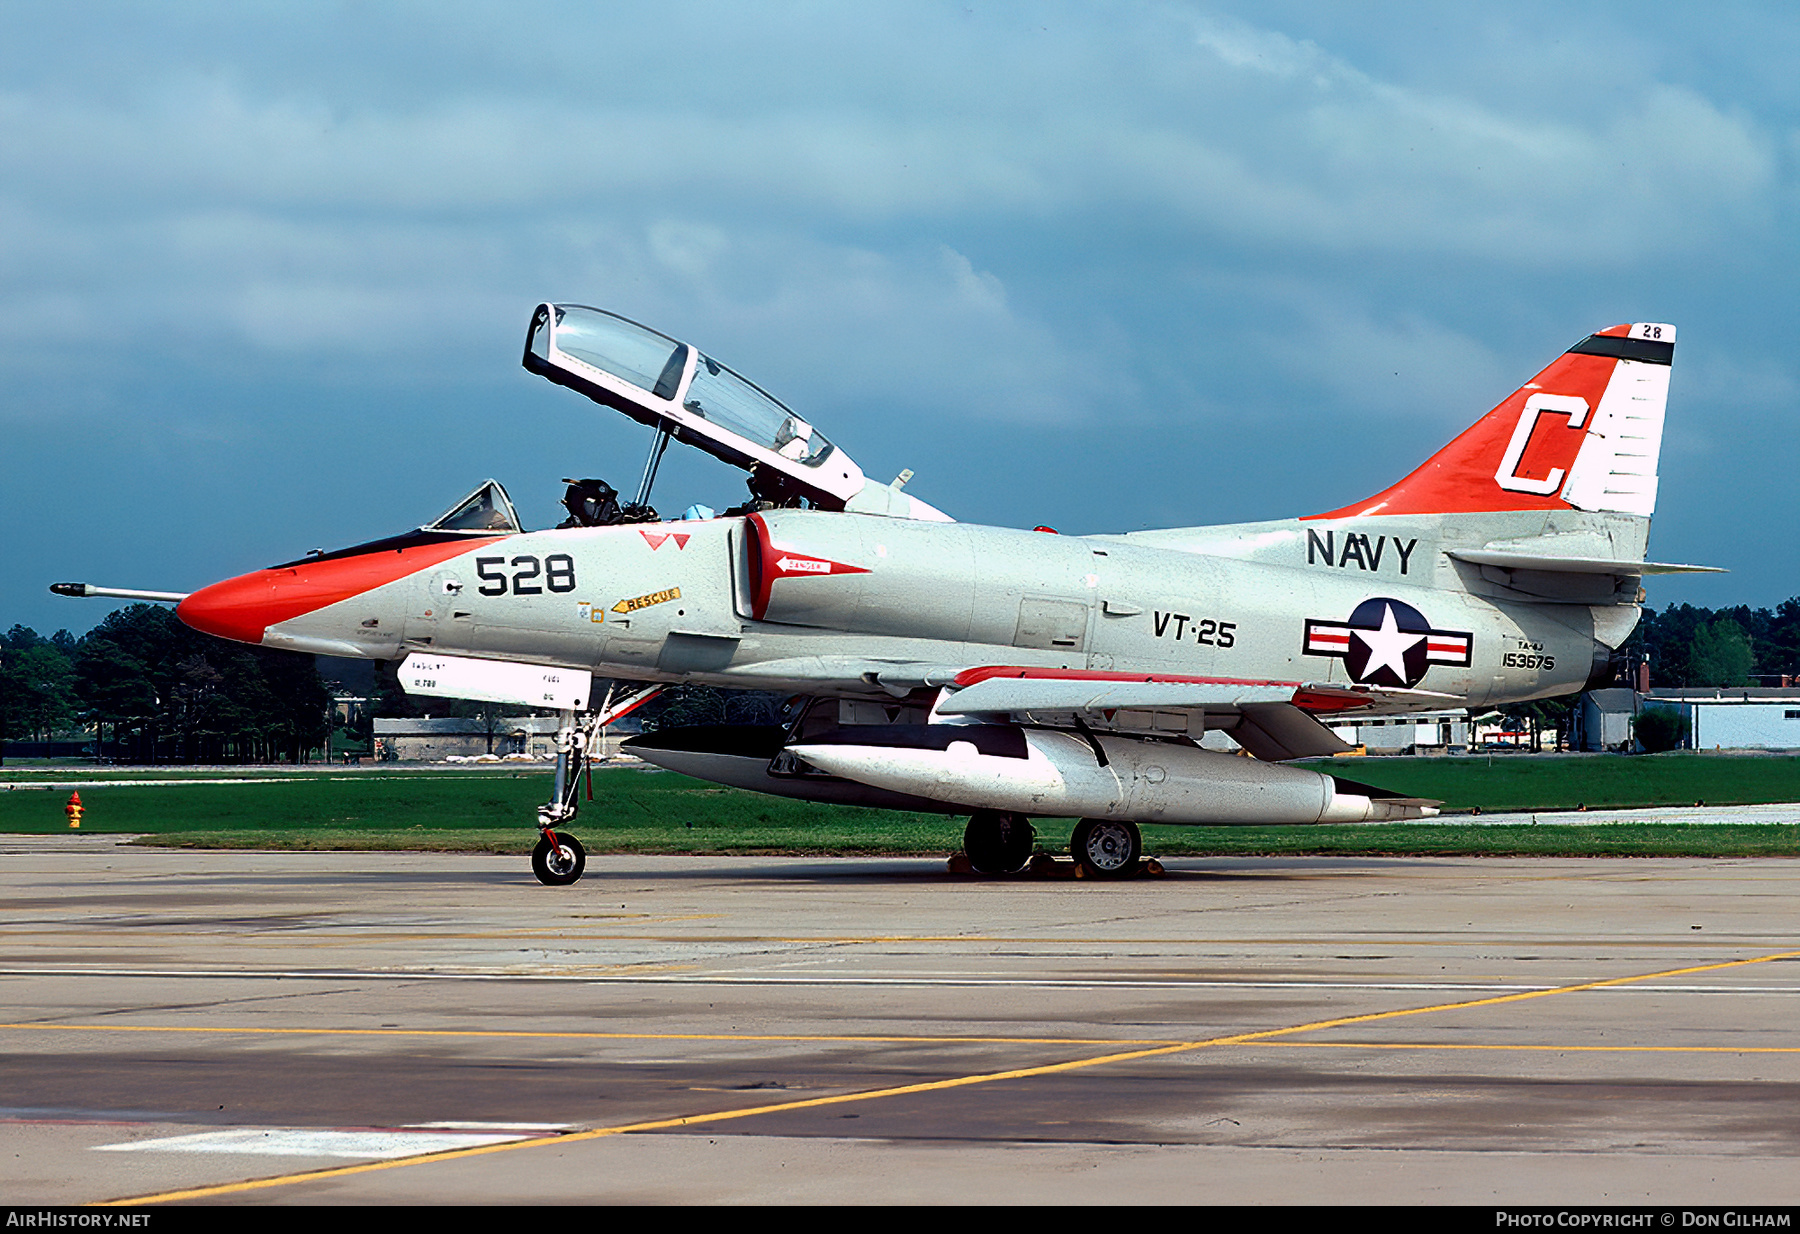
(530, 576)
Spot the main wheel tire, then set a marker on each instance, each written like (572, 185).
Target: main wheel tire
(996, 842)
(1106, 848)
(561, 867)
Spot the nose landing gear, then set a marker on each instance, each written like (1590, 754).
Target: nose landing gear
(559, 859)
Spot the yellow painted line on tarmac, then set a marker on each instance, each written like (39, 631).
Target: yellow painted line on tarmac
(990, 1077)
(529, 1034)
(664, 1124)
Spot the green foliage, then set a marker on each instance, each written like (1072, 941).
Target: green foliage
(1691, 646)
(1660, 729)
(156, 690)
(37, 695)
(1720, 655)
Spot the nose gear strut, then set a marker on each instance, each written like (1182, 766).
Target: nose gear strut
(559, 860)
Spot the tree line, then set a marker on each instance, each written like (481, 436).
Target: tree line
(1694, 647)
(150, 689)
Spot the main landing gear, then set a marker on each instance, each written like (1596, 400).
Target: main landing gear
(559, 859)
(1106, 848)
(997, 842)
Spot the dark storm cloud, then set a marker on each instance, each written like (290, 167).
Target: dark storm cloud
(263, 274)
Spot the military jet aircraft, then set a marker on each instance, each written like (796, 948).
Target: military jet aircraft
(994, 672)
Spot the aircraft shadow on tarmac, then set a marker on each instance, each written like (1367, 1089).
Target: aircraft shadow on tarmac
(902, 870)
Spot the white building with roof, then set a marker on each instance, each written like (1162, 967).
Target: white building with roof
(1736, 718)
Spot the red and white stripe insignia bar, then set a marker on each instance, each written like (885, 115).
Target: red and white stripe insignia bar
(1442, 648)
(1325, 639)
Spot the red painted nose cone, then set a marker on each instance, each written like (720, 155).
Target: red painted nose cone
(238, 608)
(243, 608)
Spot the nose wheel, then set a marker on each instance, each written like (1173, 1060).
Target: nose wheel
(1106, 848)
(558, 860)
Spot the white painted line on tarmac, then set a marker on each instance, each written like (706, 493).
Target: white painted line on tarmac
(529, 1128)
(309, 1142)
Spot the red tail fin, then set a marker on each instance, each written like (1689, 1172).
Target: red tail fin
(1583, 434)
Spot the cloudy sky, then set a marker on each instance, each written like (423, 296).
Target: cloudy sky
(265, 270)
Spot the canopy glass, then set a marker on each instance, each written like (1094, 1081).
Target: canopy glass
(667, 384)
(485, 511)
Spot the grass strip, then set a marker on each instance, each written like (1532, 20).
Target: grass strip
(1497, 783)
(939, 839)
(491, 810)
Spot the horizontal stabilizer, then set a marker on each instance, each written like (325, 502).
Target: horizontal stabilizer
(1575, 565)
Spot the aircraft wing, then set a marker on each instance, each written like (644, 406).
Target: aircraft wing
(1274, 720)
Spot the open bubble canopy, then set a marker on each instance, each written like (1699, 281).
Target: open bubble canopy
(670, 385)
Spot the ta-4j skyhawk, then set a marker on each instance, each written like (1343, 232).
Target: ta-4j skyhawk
(988, 671)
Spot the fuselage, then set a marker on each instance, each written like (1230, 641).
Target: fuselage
(863, 605)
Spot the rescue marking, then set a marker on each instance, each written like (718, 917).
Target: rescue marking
(656, 597)
(655, 539)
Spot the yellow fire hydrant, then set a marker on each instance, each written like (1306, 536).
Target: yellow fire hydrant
(73, 809)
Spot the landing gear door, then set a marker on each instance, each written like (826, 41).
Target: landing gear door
(659, 381)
